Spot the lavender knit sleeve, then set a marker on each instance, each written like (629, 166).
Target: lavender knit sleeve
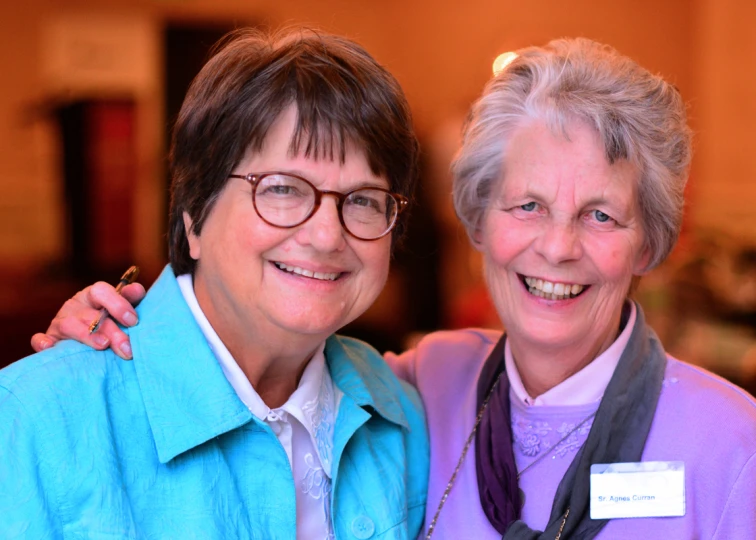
(403, 365)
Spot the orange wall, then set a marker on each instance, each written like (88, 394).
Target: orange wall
(723, 189)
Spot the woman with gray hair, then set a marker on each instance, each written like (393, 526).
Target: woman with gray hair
(575, 423)
(570, 183)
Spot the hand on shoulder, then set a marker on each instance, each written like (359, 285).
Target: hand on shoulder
(75, 316)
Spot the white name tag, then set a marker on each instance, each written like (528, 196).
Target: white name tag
(646, 489)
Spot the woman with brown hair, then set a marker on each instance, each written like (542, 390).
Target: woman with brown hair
(242, 415)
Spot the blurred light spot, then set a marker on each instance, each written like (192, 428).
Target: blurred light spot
(502, 61)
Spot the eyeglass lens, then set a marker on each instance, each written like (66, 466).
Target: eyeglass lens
(287, 201)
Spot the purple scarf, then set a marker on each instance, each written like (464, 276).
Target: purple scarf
(618, 434)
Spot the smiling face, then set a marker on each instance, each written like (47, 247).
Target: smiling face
(562, 239)
(260, 284)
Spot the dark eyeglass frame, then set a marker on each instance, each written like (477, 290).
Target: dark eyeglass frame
(253, 178)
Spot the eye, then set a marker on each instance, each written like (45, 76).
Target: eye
(367, 199)
(529, 210)
(280, 190)
(601, 217)
(282, 186)
(362, 200)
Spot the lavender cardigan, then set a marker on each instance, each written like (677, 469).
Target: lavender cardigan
(701, 419)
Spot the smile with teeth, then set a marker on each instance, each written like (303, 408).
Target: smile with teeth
(552, 291)
(323, 276)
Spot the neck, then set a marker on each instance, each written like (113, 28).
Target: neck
(275, 372)
(271, 358)
(541, 368)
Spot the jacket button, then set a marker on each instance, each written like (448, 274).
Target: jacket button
(363, 527)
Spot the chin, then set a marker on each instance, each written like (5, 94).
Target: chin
(546, 334)
(306, 324)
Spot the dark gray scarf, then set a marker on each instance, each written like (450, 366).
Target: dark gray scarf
(618, 435)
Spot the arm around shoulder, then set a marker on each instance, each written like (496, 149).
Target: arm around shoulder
(438, 350)
(403, 365)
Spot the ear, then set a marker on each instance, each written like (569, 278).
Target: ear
(476, 237)
(194, 242)
(641, 262)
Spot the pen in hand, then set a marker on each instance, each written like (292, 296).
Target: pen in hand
(128, 277)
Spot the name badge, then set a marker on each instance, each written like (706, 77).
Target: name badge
(646, 489)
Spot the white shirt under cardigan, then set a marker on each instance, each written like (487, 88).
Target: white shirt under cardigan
(303, 425)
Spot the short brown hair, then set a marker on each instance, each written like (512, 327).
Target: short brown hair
(342, 95)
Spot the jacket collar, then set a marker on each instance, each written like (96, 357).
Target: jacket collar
(361, 373)
(187, 397)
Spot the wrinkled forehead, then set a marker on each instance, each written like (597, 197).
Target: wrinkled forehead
(569, 156)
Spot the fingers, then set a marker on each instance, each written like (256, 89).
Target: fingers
(119, 341)
(77, 314)
(75, 317)
(75, 325)
(133, 293)
(40, 342)
(107, 335)
(104, 295)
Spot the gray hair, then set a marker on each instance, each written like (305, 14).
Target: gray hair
(638, 116)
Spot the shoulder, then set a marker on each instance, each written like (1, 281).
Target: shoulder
(448, 352)
(66, 360)
(715, 406)
(706, 388)
(710, 424)
(64, 378)
(466, 341)
(456, 346)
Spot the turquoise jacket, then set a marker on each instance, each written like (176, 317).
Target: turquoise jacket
(161, 447)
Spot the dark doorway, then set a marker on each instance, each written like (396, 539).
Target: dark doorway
(187, 47)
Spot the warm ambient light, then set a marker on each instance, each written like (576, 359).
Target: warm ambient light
(502, 61)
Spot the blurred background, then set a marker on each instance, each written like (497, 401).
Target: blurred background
(90, 89)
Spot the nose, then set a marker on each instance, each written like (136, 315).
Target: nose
(559, 242)
(323, 230)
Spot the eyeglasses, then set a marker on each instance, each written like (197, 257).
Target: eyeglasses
(286, 201)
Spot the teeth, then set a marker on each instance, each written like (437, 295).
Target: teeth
(552, 291)
(324, 276)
